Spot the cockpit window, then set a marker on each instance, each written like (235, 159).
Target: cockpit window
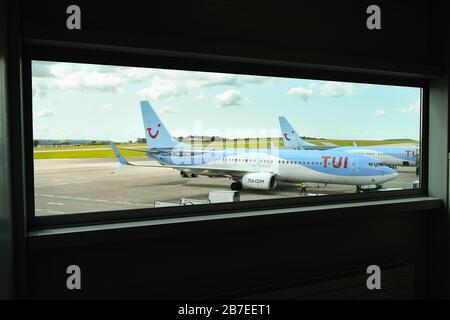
(376, 164)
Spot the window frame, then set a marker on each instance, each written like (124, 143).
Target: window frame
(179, 61)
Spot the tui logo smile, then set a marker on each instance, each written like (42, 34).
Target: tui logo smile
(153, 136)
(286, 136)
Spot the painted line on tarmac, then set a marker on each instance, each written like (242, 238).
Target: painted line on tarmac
(137, 204)
(55, 203)
(49, 211)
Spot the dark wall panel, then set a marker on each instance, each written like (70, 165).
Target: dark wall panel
(282, 30)
(6, 242)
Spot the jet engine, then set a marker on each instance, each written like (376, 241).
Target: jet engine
(259, 181)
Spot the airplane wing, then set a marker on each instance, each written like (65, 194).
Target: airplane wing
(138, 150)
(131, 149)
(123, 163)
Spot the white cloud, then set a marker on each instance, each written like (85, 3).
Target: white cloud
(303, 93)
(168, 109)
(46, 113)
(229, 98)
(163, 89)
(413, 108)
(259, 80)
(204, 79)
(379, 113)
(161, 83)
(171, 83)
(216, 79)
(329, 89)
(337, 89)
(192, 79)
(136, 74)
(56, 75)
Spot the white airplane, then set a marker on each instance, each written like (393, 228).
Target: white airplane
(257, 168)
(391, 156)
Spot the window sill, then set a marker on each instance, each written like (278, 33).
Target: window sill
(134, 230)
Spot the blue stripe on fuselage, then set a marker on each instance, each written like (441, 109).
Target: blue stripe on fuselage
(312, 159)
(404, 153)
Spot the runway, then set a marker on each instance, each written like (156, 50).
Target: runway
(64, 186)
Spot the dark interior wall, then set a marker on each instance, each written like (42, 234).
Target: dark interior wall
(6, 243)
(321, 31)
(439, 145)
(205, 263)
(230, 257)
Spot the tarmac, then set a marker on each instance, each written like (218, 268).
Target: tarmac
(64, 186)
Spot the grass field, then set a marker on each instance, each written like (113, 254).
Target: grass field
(89, 146)
(104, 151)
(362, 143)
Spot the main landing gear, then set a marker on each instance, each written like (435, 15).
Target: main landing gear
(236, 186)
(187, 175)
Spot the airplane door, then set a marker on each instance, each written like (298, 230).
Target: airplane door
(263, 164)
(260, 164)
(354, 166)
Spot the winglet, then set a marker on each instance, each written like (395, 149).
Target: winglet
(123, 162)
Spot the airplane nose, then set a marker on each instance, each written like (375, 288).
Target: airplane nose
(390, 172)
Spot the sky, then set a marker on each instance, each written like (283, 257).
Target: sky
(98, 102)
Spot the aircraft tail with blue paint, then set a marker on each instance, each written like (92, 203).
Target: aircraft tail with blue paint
(156, 133)
(389, 155)
(291, 138)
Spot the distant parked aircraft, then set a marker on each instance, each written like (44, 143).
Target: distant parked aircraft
(390, 156)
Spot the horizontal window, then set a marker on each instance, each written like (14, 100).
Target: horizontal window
(109, 138)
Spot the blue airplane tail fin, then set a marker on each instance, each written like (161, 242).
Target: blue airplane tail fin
(291, 138)
(156, 133)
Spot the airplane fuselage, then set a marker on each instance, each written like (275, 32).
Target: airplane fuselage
(391, 156)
